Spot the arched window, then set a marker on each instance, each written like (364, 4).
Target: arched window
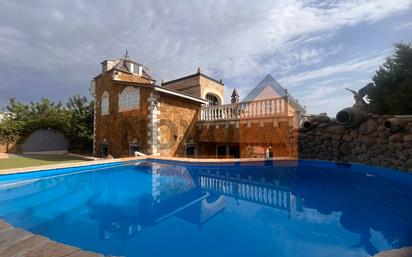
(212, 100)
(105, 103)
(129, 99)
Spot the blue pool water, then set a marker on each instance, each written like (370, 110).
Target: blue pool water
(169, 209)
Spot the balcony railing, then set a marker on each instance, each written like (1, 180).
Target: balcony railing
(245, 110)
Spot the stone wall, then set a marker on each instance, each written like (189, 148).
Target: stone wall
(177, 118)
(188, 85)
(198, 85)
(159, 126)
(370, 142)
(119, 129)
(208, 86)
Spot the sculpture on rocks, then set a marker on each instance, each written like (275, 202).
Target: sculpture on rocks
(360, 94)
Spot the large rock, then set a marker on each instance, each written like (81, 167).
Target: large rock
(347, 138)
(326, 136)
(337, 129)
(407, 138)
(322, 118)
(368, 127)
(401, 155)
(323, 125)
(345, 149)
(409, 163)
(377, 150)
(357, 150)
(382, 141)
(396, 138)
(354, 133)
(383, 134)
(336, 137)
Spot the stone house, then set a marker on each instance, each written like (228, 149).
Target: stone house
(187, 116)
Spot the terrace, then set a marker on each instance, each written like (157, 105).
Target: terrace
(275, 109)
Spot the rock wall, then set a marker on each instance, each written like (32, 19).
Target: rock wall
(370, 142)
(119, 129)
(176, 119)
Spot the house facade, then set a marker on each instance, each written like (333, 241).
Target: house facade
(187, 117)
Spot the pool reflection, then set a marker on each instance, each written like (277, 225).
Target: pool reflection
(197, 194)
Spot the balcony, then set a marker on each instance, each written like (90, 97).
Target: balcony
(275, 107)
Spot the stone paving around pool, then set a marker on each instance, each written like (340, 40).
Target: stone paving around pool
(15, 242)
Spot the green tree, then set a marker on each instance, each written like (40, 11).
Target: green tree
(75, 121)
(392, 93)
(81, 113)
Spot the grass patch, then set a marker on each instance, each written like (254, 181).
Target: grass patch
(22, 161)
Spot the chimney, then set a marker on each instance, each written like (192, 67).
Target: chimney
(108, 65)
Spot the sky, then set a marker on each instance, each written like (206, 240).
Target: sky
(313, 48)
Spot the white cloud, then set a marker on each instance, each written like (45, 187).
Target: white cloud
(403, 26)
(234, 39)
(367, 64)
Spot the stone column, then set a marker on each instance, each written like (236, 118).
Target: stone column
(154, 129)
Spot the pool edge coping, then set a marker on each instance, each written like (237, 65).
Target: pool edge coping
(86, 163)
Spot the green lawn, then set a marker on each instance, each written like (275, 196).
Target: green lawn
(22, 161)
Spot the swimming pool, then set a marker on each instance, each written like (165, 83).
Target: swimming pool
(160, 208)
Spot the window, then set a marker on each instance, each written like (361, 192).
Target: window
(133, 147)
(104, 150)
(221, 151)
(129, 99)
(234, 151)
(105, 103)
(191, 150)
(212, 100)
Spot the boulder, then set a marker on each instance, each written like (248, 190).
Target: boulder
(322, 118)
(336, 137)
(409, 163)
(377, 150)
(357, 150)
(407, 138)
(368, 127)
(396, 138)
(323, 125)
(337, 129)
(399, 146)
(382, 141)
(347, 138)
(383, 134)
(401, 155)
(345, 149)
(353, 133)
(326, 136)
